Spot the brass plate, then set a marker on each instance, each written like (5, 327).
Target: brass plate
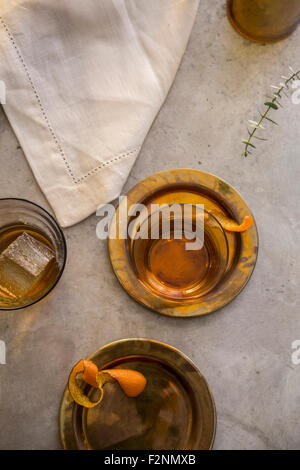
(175, 411)
(190, 187)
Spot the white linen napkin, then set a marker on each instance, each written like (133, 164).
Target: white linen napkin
(84, 82)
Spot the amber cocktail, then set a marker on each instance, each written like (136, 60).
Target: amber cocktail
(189, 256)
(32, 253)
(264, 20)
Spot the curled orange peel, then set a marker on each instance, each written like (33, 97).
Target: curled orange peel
(90, 373)
(132, 382)
(231, 225)
(76, 392)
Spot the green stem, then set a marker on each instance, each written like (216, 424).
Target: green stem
(269, 107)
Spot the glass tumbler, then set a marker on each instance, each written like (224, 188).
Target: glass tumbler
(264, 21)
(28, 235)
(181, 252)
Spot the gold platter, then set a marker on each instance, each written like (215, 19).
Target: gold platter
(176, 411)
(187, 186)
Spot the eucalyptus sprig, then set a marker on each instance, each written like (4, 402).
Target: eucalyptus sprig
(272, 103)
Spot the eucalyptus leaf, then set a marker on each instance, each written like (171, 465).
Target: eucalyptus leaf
(259, 138)
(251, 145)
(271, 120)
(271, 105)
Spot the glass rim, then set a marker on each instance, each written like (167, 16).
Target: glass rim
(201, 209)
(60, 230)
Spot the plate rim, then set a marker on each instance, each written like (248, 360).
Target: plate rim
(67, 404)
(130, 288)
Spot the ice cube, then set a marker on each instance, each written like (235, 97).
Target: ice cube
(22, 264)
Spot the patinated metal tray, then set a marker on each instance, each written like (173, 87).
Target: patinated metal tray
(175, 411)
(187, 186)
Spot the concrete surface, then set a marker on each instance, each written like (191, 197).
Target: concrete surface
(244, 350)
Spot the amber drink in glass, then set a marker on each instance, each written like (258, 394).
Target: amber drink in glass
(176, 266)
(264, 21)
(32, 253)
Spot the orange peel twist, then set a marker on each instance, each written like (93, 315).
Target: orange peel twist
(230, 224)
(76, 392)
(131, 382)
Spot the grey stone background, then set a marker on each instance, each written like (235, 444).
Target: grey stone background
(244, 350)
